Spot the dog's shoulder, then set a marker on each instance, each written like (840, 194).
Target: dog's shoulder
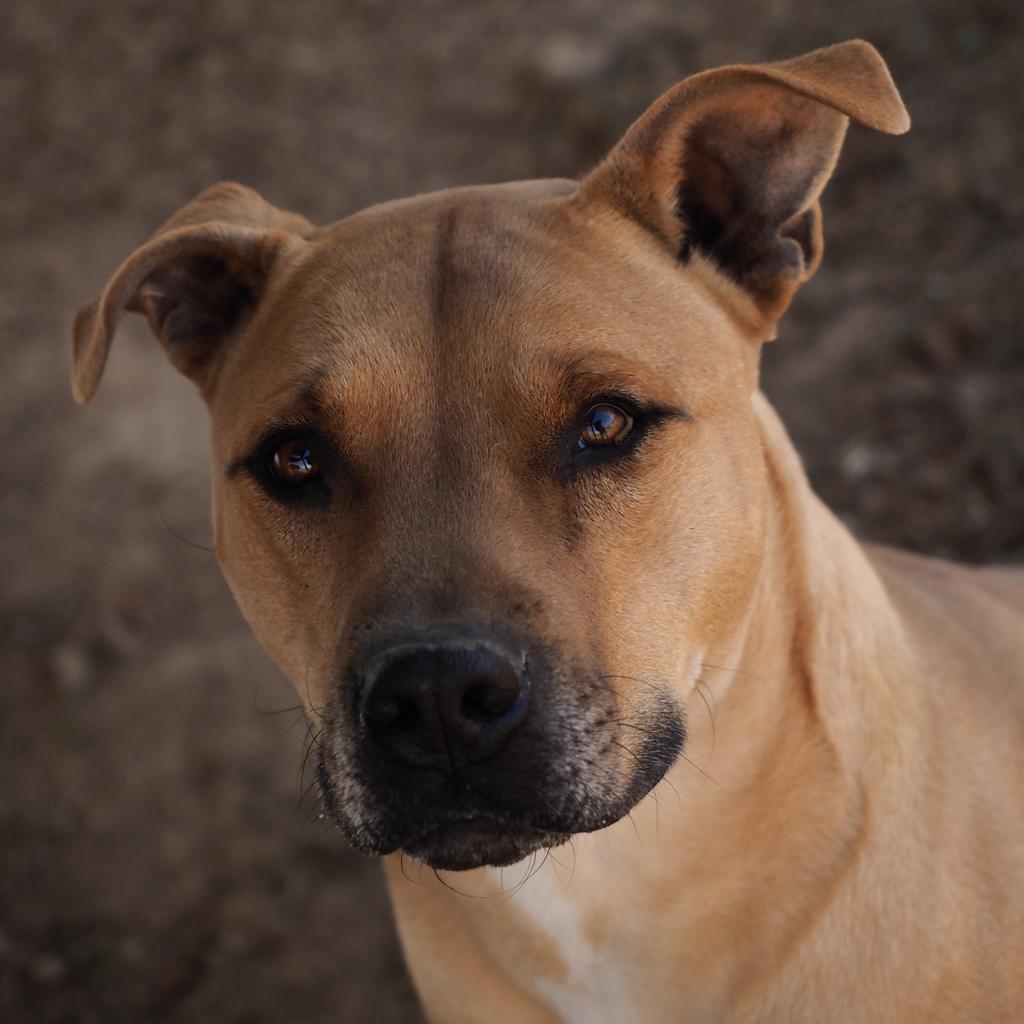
(970, 617)
(995, 590)
(1007, 582)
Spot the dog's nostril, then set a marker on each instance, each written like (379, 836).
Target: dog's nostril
(444, 704)
(474, 702)
(487, 699)
(385, 711)
(394, 714)
(394, 707)
(479, 702)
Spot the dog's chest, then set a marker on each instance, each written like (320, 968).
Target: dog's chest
(594, 987)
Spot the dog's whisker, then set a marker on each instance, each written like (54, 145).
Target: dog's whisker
(529, 874)
(402, 857)
(644, 732)
(401, 867)
(556, 860)
(540, 866)
(531, 871)
(698, 689)
(636, 728)
(734, 671)
(302, 798)
(666, 781)
(271, 711)
(184, 540)
(458, 892)
(314, 742)
(299, 719)
(631, 753)
(632, 822)
(654, 684)
(318, 712)
(698, 768)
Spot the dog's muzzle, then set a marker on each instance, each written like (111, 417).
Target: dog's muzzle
(462, 748)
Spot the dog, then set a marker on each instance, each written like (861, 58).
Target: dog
(494, 485)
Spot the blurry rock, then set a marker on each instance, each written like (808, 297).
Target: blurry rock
(571, 59)
(47, 969)
(132, 951)
(859, 461)
(74, 669)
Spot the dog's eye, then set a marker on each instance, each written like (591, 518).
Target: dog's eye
(603, 426)
(293, 462)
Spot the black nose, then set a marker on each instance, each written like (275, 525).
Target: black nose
(444, 706)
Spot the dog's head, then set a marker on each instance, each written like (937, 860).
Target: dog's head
(487, 478)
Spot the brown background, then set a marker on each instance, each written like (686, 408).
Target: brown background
(156, 862)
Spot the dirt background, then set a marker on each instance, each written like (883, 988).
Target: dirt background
(156, 860)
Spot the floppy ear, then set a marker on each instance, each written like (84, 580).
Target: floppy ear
(197, 281)
(729, 164)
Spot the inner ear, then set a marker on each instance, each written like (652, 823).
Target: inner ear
(749, 179)
(196, 301)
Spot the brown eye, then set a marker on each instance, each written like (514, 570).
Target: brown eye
(293, 462)
(604, 425)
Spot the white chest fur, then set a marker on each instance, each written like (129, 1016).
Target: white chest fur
(593, 990)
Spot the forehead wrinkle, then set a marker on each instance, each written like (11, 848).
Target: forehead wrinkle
(477, 282)
(441, 269)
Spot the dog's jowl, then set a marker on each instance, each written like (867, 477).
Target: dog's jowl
(495, 486)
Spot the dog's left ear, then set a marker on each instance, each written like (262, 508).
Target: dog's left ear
(729, 164)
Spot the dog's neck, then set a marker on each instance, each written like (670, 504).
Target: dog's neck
(823, 607)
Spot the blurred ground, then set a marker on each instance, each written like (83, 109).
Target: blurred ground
(155, 863)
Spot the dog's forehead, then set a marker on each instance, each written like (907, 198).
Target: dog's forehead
(473, 272)
(468, 293)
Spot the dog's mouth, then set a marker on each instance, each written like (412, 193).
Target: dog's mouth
(445, 839)
(474, 841)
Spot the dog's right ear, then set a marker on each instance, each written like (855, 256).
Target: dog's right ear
(197, 281)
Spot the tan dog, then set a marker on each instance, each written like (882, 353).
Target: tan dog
(494, 484)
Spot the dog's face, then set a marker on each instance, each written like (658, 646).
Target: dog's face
(458, 450)
(487, 481)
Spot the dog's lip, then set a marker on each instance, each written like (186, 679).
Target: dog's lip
(484, 824)
(493, 820)
(466, 841)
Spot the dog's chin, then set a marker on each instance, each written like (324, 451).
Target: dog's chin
(462, 845)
